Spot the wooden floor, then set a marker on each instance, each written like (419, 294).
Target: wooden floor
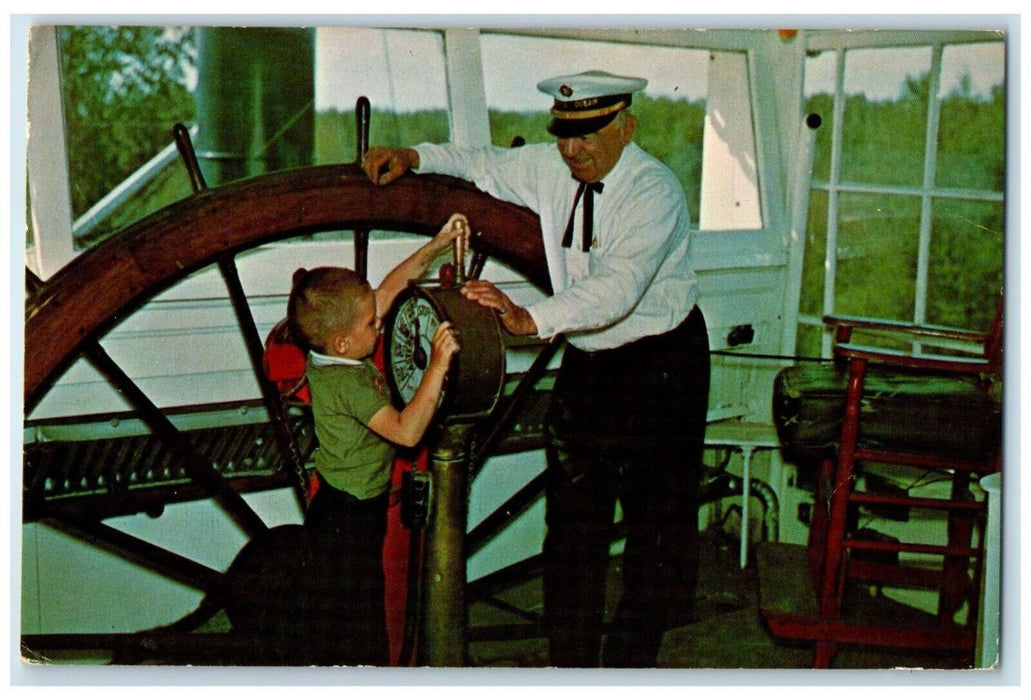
(726, 631)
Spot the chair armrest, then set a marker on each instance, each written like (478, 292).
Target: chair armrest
(846, 324)
(943, 363)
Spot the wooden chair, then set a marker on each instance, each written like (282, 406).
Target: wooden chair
(940, 413)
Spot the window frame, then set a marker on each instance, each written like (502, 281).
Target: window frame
(927, 191)
(52, 243)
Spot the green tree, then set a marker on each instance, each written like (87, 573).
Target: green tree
(123, 88)
(336, 140)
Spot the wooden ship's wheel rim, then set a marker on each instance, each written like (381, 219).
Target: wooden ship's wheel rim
(105, 284)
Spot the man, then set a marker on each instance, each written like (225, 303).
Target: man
(627, 418)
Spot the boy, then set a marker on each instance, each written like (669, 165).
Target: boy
(337, 316)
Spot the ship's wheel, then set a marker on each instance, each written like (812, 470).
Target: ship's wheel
(68, 314)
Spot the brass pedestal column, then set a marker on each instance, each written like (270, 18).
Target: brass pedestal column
(443, 624)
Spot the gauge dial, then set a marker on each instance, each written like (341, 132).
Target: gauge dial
(476, 375)
(410, 342)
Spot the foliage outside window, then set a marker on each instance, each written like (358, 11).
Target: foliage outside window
(883, 136)
(670, 112)
(123, 89)
(880, 194)
(972, 129)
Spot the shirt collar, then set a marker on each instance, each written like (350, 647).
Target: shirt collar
(320, 360)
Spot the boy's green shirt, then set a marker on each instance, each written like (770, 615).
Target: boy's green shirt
(345, 397)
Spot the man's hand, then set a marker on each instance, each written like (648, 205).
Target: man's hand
(516, 319)
(384, 165)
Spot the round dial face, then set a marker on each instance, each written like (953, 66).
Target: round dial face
(410, 344)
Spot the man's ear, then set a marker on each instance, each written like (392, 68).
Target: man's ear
(628, 128)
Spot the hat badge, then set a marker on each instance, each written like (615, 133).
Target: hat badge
(565, 90)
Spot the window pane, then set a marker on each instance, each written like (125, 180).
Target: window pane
(966, 263)
(885, 120)
(123, 88)
(671, 110)
(877, 255)
(401, 72)
(971, 146)
(813, 267)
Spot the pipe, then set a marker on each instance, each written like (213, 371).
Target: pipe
(724, 485)
(771, 507)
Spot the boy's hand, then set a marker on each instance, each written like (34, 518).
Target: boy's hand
(443, 347)
(456, 227)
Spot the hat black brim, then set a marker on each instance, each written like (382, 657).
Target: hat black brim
(569, 128)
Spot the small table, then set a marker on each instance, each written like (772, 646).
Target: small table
(749, 438)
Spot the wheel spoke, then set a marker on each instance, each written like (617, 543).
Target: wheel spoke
(130, 548)
(285, 438)
(501, 417)
(197, 467)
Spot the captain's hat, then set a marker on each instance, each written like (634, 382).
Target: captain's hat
(586, 102)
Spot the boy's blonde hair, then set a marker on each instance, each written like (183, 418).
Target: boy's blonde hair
(323, 301)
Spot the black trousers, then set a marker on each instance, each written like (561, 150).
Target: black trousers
(626, 424)
(346, 617)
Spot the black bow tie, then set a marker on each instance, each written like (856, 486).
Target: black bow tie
(588, 224)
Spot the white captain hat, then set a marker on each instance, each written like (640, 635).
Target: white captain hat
(586, 102)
